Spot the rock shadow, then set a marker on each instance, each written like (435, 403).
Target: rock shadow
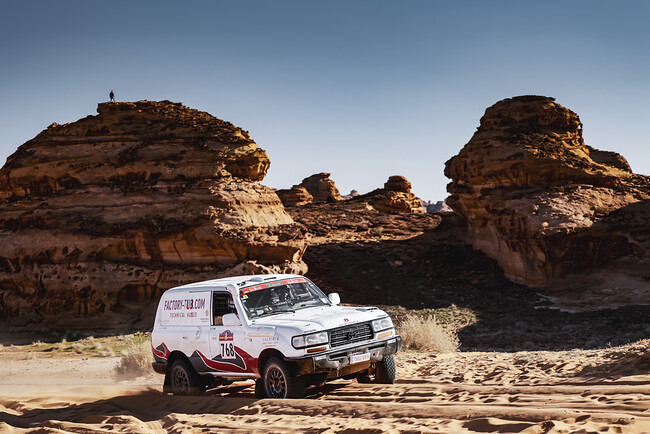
(438, 269)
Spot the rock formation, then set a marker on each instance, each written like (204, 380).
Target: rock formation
(295, 196)
(541, 202)
(112, 209)
(440, 206)
(321, 187)
(396, 196)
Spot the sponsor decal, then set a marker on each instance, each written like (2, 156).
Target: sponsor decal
(227, 335)
(186, 310)
(227, 346)
(272, 284)
(270, 341)
(241, 362)
(184, 304)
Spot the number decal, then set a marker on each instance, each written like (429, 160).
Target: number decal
(227, 350)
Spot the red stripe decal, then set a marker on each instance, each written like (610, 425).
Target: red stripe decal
(272, 284)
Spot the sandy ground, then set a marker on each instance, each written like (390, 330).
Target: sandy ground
(526, 392)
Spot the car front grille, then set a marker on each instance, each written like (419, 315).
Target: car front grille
(350, 334)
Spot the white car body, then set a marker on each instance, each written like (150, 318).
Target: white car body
(187, 327)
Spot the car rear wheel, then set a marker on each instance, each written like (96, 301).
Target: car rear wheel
(184, 380)
(280, 382)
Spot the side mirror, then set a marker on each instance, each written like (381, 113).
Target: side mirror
(230, 319)
(334, 298)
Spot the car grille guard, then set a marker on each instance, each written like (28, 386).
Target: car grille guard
(350, 334)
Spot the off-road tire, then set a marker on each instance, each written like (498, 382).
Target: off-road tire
(382, 372)
(184, 380)
(279, 380)
(386, 371)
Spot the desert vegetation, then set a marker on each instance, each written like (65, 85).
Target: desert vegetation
(426, 333)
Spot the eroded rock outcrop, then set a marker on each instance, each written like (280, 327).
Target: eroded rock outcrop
(540, 201)
(322, 188)
(295, 196)
(396, 196)
(113, 209)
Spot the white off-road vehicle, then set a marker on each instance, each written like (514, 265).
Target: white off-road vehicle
(280, 330)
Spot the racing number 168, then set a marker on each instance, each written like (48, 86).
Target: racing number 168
(227, 350)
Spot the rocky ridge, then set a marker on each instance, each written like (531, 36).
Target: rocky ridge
(542, 203)
(110, 210)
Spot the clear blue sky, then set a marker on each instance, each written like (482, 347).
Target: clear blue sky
(361, 89)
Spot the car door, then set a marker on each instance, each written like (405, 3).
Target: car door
(226, 342)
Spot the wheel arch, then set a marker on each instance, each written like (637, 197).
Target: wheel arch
(266, 355)
(177, 355)
(174, 356)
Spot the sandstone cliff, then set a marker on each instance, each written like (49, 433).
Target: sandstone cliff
(541, 202)
(115, 208)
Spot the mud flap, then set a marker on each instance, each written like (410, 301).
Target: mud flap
(167, 385)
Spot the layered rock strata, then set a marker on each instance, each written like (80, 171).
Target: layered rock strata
(322, 188)
(115, 208)
(295, 196)
(396, 196)
(541, 202)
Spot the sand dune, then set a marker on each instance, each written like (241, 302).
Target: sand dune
(532, 392)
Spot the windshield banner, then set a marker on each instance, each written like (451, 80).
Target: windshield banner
(272, 284)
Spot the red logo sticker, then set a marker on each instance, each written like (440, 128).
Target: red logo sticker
(226, 336)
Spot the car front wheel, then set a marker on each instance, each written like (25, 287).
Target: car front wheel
(279, 381)
(382, 372)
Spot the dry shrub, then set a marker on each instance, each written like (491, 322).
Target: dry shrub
(135, 361)
(427, 334)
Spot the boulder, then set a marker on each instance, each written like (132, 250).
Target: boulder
(103, 214)
(397, 183)
(538, 200)
(322, 188)
(396, 196)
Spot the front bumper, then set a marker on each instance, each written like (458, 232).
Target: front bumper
(338, 360)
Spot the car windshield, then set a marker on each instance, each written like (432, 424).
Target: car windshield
(281, 296)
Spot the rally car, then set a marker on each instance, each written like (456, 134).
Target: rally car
(280, 330)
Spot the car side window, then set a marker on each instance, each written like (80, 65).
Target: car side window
(221, 304)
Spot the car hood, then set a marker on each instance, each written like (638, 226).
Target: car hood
(321, 318)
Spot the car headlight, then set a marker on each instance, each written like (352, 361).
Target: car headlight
(382, 324)
(309, 340)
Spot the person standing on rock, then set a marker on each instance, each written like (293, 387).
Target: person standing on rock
(112, 96)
